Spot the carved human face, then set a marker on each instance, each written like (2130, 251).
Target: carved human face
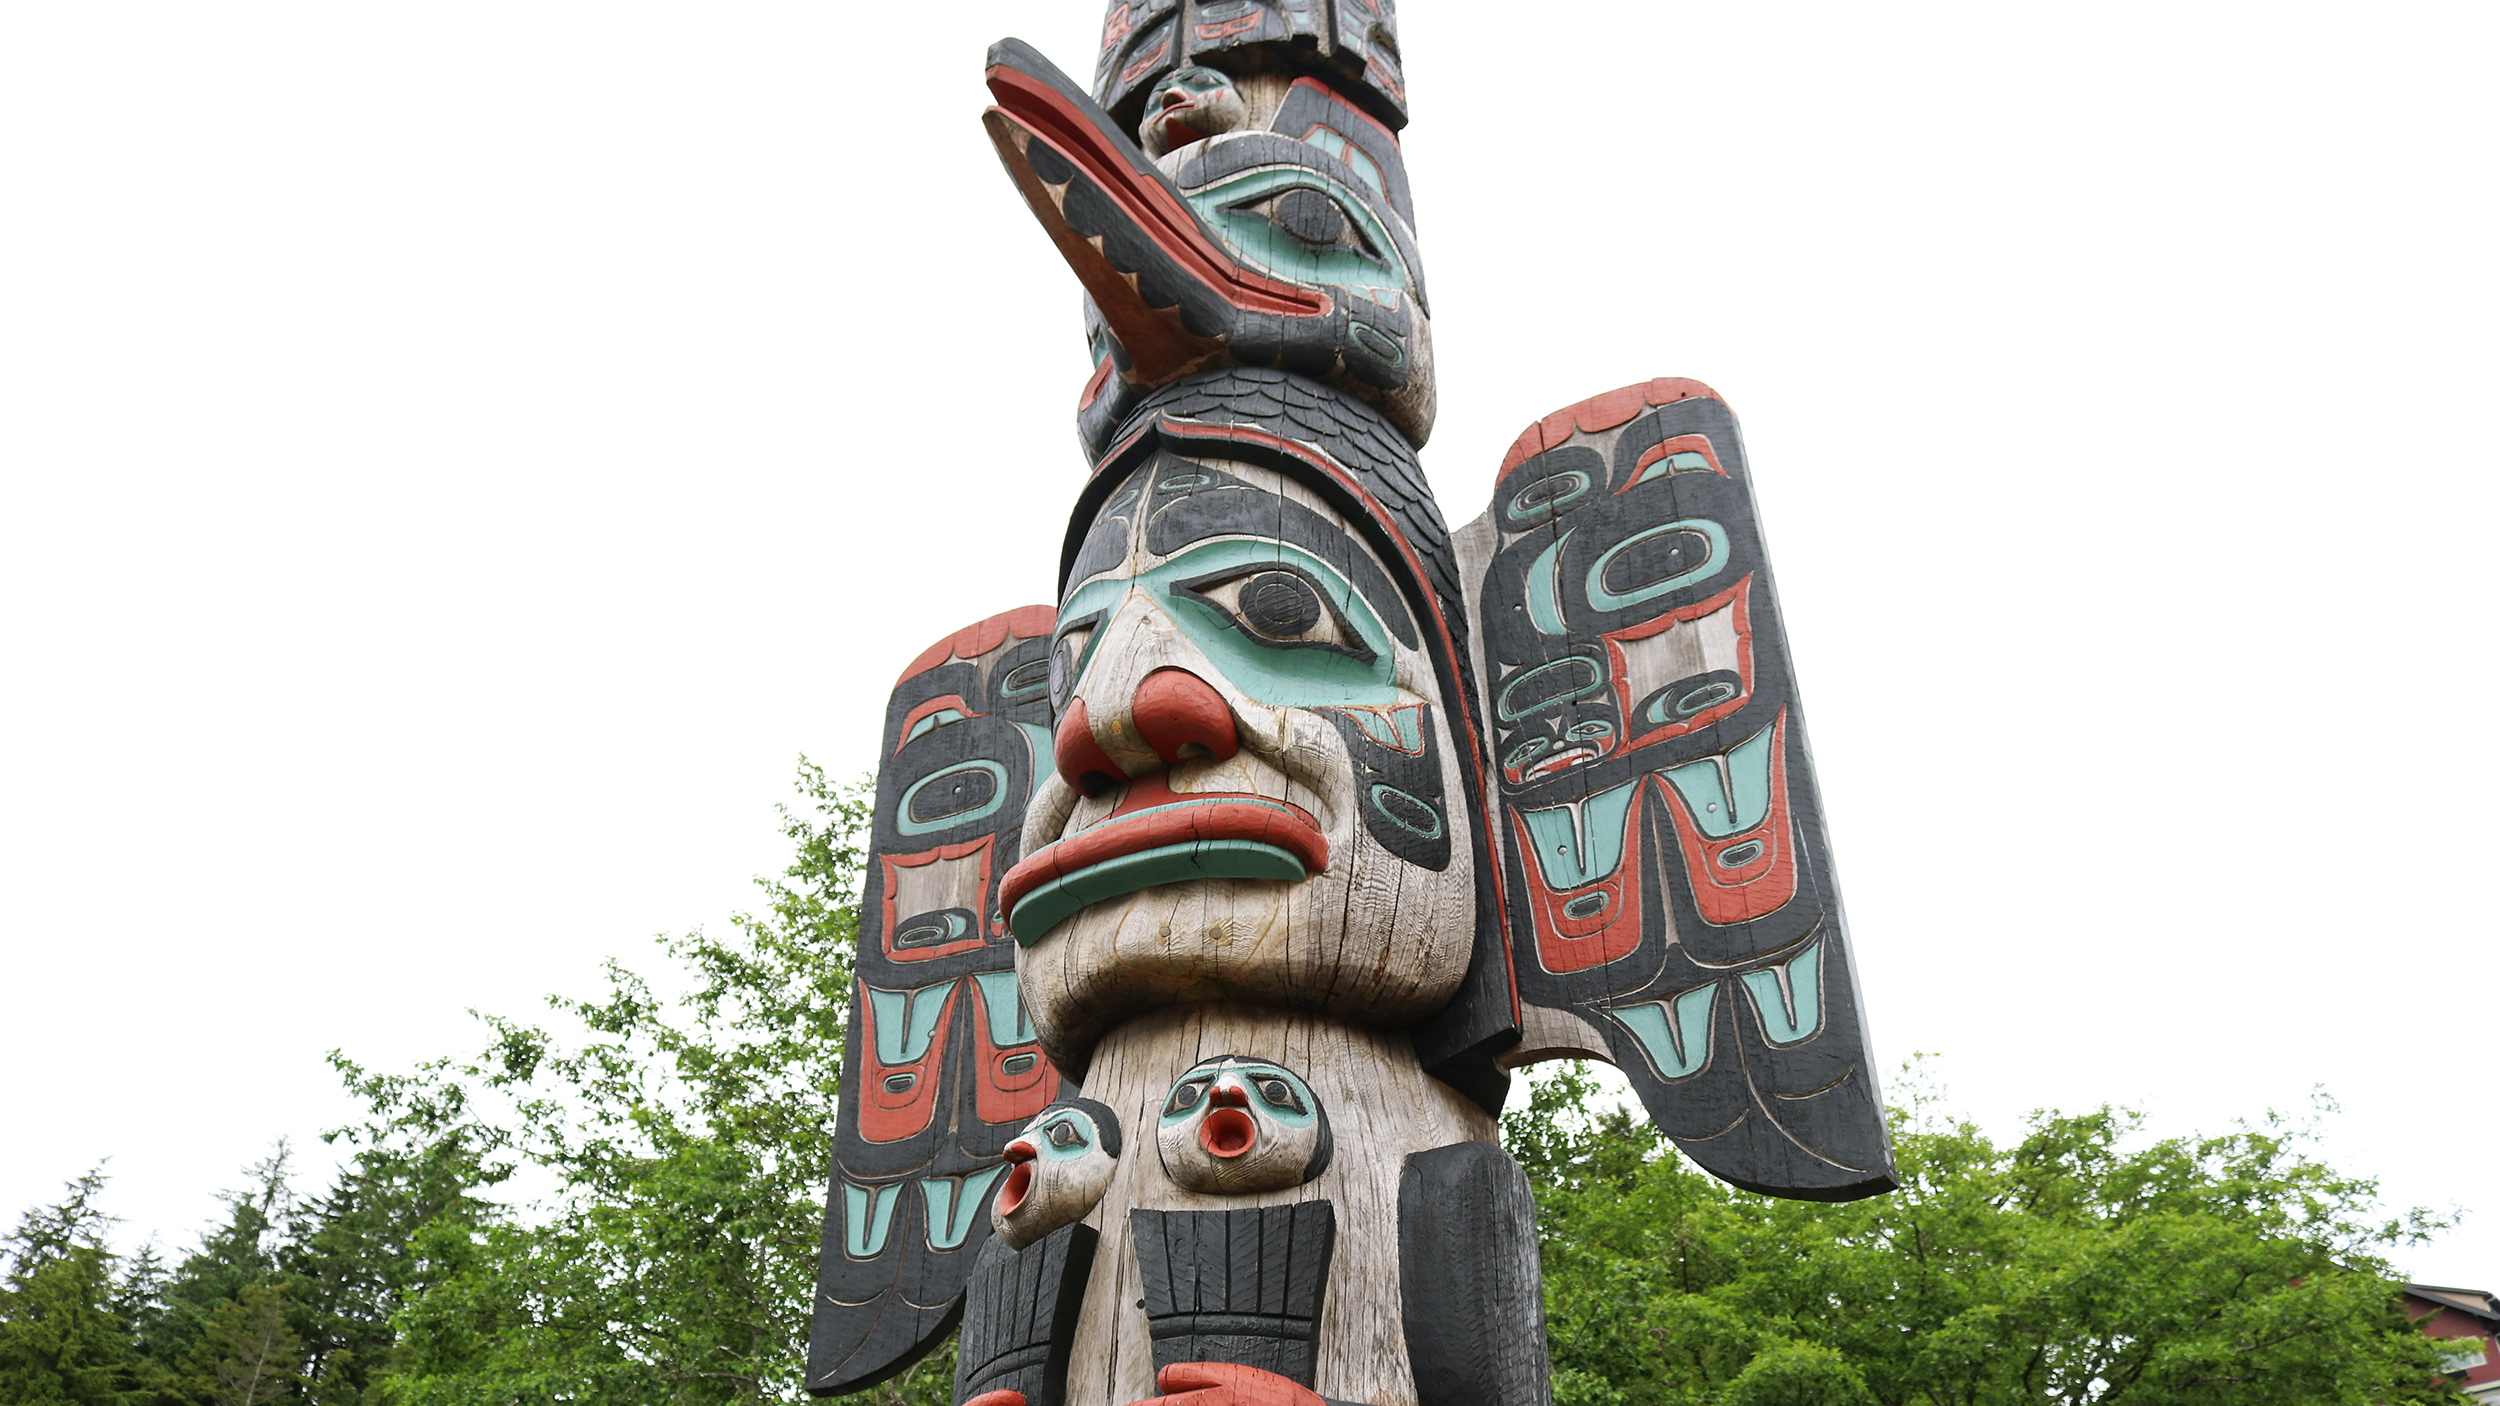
(1236, 1125)
(1257, 794)
(1057, 1169)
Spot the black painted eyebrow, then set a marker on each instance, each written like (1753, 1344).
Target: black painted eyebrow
(1217, 507)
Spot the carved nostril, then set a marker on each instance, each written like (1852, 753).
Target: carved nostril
(1081, 760)
(1182, 718)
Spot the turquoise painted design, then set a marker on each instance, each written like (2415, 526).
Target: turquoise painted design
(1375, 271)
(1281, 675)
(1330, 140)
(1594, 730)
(1065, 1136)
(1673, 1049)
(1544, 592)
(1026, 679)
(983, 811)
(1663, 709)
(1009, 1022)
(1298, 1108)
(1604, 599)
(1410, 813)
(1550, 685)
(905, 1020)
(932, 723)
(1399, 728)
(1045, 907)
(1037, 739)
(1795, 1015)
(867, 1218)
(1526, 752)
(1580, 842)
(956, 1203)
(1540, 500)
(1731, 793)
(1681, 462)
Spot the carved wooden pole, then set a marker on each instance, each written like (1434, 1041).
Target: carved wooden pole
(1298, 822)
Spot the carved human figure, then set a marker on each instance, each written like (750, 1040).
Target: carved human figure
(1056, 1170)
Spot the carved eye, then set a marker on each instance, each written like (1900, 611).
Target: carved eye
(1186, 1096)
(1280, 1094)
(1279, 606)
(1312, 219)
(1065, 1133)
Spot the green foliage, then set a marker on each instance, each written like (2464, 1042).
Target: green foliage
(686, 1143)
(2083, 1264)
(65, 1333)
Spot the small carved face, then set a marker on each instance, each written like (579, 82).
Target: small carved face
(1057, 1169)
(1190, 105)
(1235, 1125)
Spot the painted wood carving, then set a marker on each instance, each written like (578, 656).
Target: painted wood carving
(1211, 909)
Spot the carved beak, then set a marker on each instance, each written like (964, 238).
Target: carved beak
(1019, 1156)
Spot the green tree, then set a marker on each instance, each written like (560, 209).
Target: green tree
(686, 1144)
(246, 1355)
(234, 1257)
(65, 1338)
(2082, 1264)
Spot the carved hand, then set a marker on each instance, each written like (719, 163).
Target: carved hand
(1226, 1384)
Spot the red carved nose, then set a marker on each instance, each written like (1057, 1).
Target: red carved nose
(1183, 719)
(1228, 1096)
(1176, 714)
(1082, 762)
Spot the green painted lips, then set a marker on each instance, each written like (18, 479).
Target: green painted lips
(1202, 837)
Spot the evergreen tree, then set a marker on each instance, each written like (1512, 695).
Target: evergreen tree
(65, 1339)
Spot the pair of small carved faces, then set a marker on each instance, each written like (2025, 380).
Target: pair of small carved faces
(1231, 1126)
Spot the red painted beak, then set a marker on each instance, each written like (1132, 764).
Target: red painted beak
(1019, 1156)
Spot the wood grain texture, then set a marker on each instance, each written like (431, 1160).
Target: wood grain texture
(1020, 1316)
(1475, 1304)
(1381, 1108)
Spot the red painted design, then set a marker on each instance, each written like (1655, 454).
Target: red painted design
(1753, 890)
(1174, 709)
(935, 705)
(1385, 78)
(895, 863)
(1149, 62)
(1470, 751)
(892, 1116)
(972, 641)
(1011, 1193)
(1001, 1397)
(1340, 99)
(1567, 944)
(1681, 444)
(1115, 27)
(1146, 199)
(1741, 595)
(1094, 384)
(1225, 1384)
(1226, 29)
(999, 1097)
(1081, 760)
(1221, 815)
(1602, 412)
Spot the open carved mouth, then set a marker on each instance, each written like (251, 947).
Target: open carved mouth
(1019, 1178)
(1156, 836)
(1227, 1132)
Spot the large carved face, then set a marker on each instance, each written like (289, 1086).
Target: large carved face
(1257, 795)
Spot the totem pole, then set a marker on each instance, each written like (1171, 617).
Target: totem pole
(1300, 822)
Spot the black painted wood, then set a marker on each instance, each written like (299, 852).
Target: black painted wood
(1236, 1286)
(1467, 1266)
(1020, 1315)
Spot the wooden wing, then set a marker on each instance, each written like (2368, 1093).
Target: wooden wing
(1670, 895)
(941, 1066)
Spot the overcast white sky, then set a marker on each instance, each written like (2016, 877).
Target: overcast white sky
(455, 458)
